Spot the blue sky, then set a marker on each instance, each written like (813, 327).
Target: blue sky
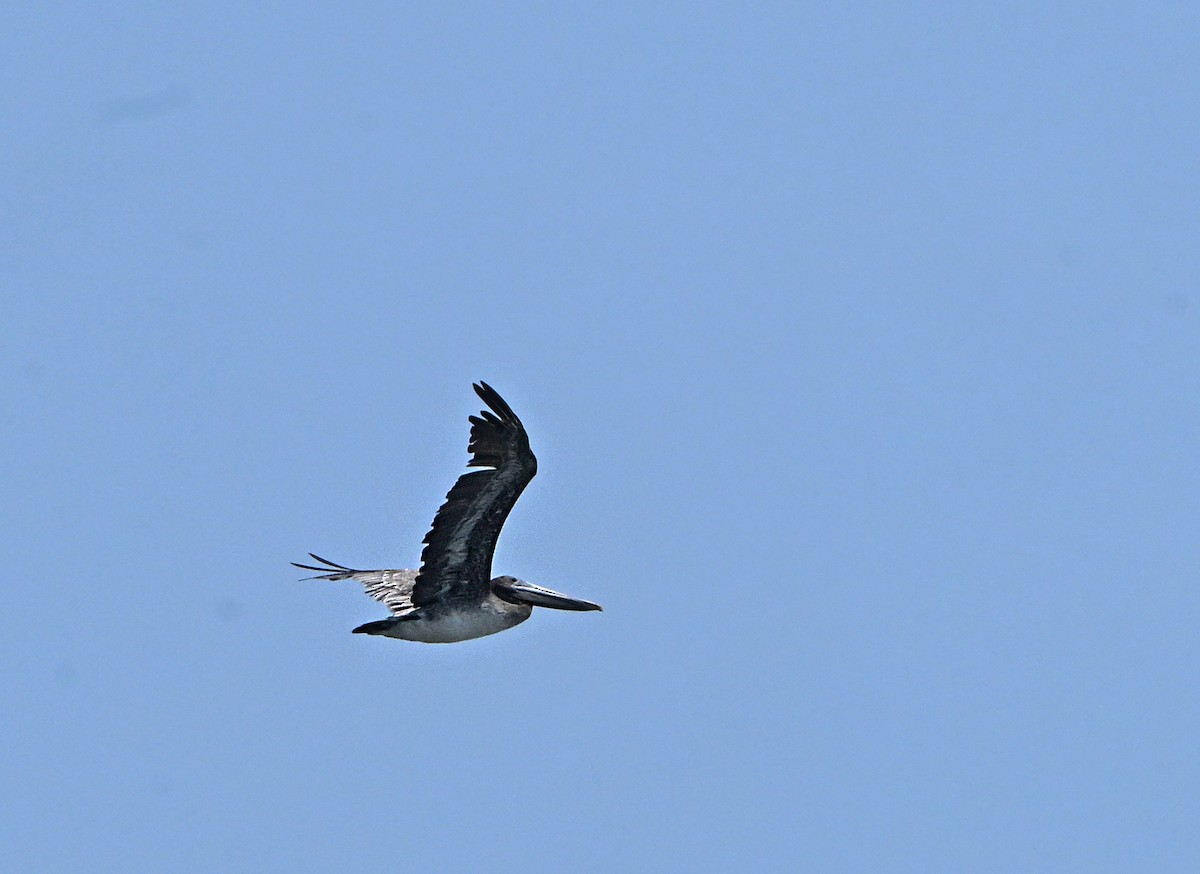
(859, 348)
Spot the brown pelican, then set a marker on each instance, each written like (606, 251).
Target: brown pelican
(453, 596)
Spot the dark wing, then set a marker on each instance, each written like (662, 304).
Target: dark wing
(457, 560)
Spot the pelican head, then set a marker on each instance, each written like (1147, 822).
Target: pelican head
(520, 592)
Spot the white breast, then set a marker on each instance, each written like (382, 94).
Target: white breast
(450, 627)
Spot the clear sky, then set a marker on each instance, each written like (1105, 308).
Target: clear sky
(860, 347)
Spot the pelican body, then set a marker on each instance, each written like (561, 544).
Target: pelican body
(453, 596)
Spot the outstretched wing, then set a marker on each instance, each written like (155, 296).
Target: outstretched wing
(456, 563)
(392, 587)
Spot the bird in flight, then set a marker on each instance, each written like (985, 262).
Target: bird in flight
(453, 596)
